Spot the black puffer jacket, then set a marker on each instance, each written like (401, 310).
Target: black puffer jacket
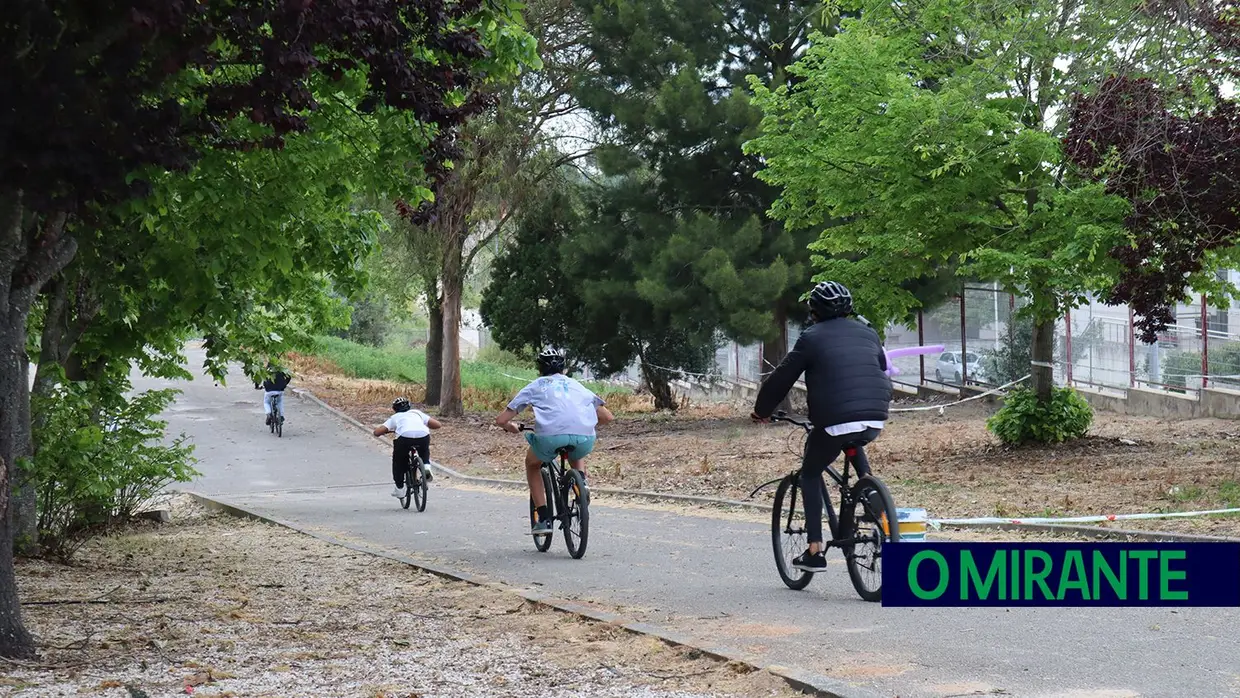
(845, 373)
(276, 383)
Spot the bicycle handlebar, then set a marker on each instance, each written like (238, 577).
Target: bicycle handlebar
(782, 416)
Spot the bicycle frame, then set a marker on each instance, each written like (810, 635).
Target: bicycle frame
(837, 525)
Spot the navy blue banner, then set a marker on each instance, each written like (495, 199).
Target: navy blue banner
(1061, 574)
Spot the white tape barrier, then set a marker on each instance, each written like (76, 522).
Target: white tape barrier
(992, 520)
(940, 408)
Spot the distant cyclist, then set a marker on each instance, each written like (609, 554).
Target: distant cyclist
(565, 414)
(413, 432)
(273, 387)
(845, 371)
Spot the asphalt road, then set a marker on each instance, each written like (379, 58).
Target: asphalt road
(706, 577)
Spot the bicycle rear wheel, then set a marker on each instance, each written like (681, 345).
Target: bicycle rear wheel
(874, 523)
(576, 516)
(788, 534)
(279, 420)
(419, 484)
(542, 543)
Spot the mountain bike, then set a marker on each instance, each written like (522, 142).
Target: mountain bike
(866, 521)
(277, 416)
(568, 500)
(415, 483)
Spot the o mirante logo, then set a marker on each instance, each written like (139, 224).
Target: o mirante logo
(1061, 574)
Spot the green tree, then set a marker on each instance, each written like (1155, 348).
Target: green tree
(156, 85)
(671, 91)
(507, 152)
(571, 279)
(934, 135)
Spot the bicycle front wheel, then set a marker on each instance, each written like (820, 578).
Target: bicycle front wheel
(788, 534)
(874, 524)
(576, 514)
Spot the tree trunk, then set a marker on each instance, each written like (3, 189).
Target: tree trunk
(774, 351)
(660, 387)
(1043, 354)
(31, 252)
(451, 402)
(15, 640)
(434, 343)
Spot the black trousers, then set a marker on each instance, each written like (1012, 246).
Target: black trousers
(400, 455)
(821, 450)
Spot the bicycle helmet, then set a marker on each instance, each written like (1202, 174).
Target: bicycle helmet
(401, 404)
(829, 300)
(550, 362)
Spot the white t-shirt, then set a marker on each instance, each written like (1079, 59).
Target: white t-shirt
(561, 406)
(411, 424)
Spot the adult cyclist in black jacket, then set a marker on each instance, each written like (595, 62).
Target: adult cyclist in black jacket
(849, 391)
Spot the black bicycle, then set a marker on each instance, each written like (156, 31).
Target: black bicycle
(568, 500)
(415, 483)
(866, 521)
(276, 421)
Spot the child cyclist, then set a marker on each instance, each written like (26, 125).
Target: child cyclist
(273, 387)
(565, 414)
(413, 432)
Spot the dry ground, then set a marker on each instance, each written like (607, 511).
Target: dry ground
(221, 607)
(947, 463)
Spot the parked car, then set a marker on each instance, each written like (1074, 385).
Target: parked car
(950, 369)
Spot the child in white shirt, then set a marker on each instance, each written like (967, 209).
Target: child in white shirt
(412, 429)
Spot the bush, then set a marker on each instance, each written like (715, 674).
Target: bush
(91, 477)
(1024, 420)
(370, 322)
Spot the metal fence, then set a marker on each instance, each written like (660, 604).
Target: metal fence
(1096, 346)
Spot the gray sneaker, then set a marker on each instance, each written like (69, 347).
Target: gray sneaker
(542, 528)
(426, 473)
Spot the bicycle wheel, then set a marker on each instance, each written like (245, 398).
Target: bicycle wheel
(576, 515)
(874, 523)
(419, 484)
(788, 535)
(279, 426)
(542, 543)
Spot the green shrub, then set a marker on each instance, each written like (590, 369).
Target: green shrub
(370, 322)
(100, 458)
(1024, 420)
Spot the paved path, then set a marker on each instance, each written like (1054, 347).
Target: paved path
(705, 577)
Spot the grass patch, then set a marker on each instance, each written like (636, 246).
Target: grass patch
(488, 383)
(1229, 493)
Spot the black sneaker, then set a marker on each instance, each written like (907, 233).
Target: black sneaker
(811, 562)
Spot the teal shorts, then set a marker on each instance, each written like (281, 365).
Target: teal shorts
(544, 445)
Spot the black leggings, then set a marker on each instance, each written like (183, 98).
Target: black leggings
(821, 450)
(400, 455)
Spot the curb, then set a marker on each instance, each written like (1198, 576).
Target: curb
(799, 679)
(1090, 531)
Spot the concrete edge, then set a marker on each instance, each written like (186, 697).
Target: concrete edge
(799, 679)
(1103, 533)
(1092, 531)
